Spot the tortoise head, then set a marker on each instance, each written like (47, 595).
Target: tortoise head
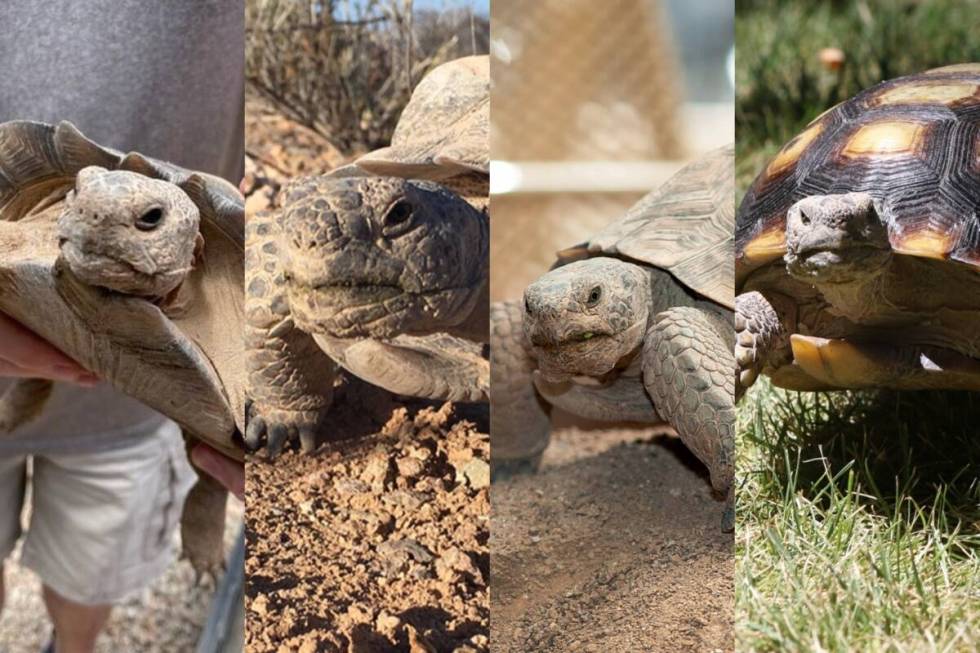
(378, 257)
(127, 232)
(585, 317)
(836, 239)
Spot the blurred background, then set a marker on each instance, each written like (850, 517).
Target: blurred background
(594, 105)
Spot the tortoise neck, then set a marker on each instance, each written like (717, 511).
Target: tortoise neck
(476, 326)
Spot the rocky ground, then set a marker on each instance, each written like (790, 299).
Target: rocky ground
(378, 542)
(614, 546)
(278, 149)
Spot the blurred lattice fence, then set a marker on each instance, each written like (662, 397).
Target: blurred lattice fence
(579, 79)
(574, 80)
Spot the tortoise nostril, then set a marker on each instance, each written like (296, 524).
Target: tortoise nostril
(804, 218)
(149, 220)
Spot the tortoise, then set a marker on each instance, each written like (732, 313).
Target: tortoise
(635, 324)
(132, 267)
(858, 246)
(380, 268)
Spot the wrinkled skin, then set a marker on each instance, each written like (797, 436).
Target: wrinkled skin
(139, 236)
(584, 318)
(129, 233)
(378, 257)
(382, 276)
(836, 239)
(123, 231)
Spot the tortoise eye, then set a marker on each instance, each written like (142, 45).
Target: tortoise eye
(594, 296)
(399, 216)
(150, 220)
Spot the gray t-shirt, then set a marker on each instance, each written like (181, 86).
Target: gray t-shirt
(162, 78)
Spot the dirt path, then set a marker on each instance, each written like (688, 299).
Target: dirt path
(614, 546)
(378, 542)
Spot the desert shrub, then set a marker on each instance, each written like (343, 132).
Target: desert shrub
(347, 68)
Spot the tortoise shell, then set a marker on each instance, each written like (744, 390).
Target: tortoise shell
(186, 363)
(912, 143)
(444, 130)
(685, 227)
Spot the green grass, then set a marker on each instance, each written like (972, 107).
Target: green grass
(858, 521)
(858, 513)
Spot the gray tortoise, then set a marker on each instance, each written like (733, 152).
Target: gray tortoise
(380, 268)
(633, 325)
(132, 267)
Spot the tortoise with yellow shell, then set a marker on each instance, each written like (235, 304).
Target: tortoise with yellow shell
(858, 247)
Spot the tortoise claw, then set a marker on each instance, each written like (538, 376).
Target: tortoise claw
(254, 433)
(275, 428)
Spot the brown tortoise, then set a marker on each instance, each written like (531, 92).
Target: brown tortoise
(858, 247)
(633, 325)
(134, 268)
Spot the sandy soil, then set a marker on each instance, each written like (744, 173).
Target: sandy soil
(614, 545)
(166, 617)
(378, 542)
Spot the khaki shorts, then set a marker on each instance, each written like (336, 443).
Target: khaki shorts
(100, 526)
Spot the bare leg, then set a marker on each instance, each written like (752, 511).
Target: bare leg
(76, 626)
(202, 526)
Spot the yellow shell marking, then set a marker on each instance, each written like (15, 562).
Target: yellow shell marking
(927, 244)
(926, 92)
(884, 138)
(835, 362)
(768, 245)
(792, 150)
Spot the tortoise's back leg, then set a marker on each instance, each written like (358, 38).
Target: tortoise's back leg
(202, 524)
(22, 402)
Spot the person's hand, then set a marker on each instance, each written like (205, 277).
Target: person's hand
(230, 473)
(24, 354)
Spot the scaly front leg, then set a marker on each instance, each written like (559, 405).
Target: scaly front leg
(687, 369)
